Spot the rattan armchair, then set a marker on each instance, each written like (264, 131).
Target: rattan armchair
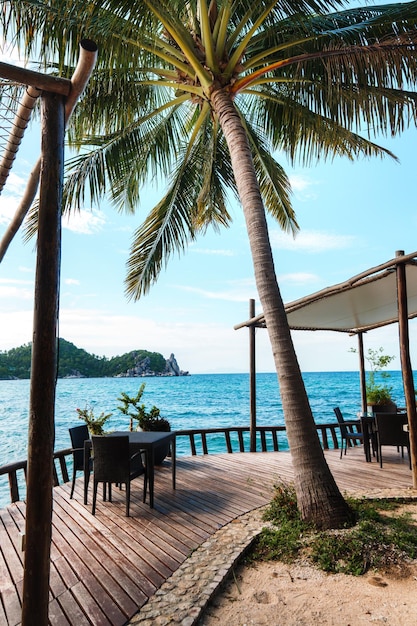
(390, 432)
(113, 464)
(348, 431)
(78, 435)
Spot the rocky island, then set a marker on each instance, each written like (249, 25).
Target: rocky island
(75, 362)
(143, 368)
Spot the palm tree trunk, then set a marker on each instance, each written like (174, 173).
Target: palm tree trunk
(318, 496)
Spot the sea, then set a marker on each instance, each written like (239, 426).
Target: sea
(195, 401)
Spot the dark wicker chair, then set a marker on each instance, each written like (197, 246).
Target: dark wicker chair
(78, 435)
(390, 432)
(113, 463)
(348, 431)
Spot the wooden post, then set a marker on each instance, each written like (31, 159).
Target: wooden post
(252, 370)
(362, 373)
(44, 368)
(407, 372)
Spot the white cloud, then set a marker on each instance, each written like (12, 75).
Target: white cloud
(311, 241)
(301, 278)
(11, 196)
(84, 222)
(15, 184)
(15, 328)
(17, 289)
(71, 281)
(8, 206)
(302, 186)
(228, 296)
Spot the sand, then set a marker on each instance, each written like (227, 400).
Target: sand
(275, 593)
(301, 595)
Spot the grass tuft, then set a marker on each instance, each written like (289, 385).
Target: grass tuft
(382, 538)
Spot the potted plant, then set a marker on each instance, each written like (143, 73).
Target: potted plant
(378, 394)
(147, 420)
(95, 424)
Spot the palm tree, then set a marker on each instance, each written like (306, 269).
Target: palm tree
(202, 95)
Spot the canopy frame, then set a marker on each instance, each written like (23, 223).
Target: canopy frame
(377, 297)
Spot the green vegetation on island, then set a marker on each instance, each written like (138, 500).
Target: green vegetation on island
(76, 362)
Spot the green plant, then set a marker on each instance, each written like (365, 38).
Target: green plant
(380, 537)
(95, 424)
(146, 419)
(378, 392)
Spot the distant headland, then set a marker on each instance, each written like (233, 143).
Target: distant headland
(75, 362)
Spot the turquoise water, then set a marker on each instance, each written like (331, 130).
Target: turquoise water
(204, 400)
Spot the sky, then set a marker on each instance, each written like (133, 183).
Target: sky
(352, 216)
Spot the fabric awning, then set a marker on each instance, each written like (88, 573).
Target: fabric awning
(364, 302)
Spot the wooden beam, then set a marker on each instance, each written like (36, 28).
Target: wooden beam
(407, 371)
(44, 82)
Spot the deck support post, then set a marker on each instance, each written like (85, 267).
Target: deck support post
(44, 367)
(362, 375)
(252, 370)
(407, 371)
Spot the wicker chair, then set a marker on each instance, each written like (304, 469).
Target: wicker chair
(113, 463)
(78, 435)
(390, 432)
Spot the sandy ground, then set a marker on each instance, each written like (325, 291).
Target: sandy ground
(300, 595)
(277, 594)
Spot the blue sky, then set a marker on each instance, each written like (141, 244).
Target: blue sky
(352, 216)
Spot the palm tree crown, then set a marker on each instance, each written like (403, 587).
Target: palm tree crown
(306, 83)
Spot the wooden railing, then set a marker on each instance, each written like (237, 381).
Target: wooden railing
(267, 437)
(18, 468)
(193, 441)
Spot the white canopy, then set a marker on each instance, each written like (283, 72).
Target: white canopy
(364, 302)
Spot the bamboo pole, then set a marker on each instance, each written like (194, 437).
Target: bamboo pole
(44, 368)
(20, 123)
(77, 84)
(407, 371)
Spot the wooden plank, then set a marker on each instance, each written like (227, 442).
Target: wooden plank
(57, 580)
(122, 584)
(234, 487)
(90, 568)
(3, 618)
(11, 601)
(119, 553)
(11, 557)
(72, 609)
(93, 610)
(56, 615)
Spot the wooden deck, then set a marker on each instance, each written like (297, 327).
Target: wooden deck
(104, 568)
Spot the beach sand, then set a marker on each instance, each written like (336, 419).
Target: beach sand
(279, 594)
(273, 594)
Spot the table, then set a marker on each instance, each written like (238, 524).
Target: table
(139, 440)
(368, 427)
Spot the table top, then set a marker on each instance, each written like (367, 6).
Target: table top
(145, 438)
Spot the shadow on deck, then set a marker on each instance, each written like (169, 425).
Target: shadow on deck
(104, 568)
